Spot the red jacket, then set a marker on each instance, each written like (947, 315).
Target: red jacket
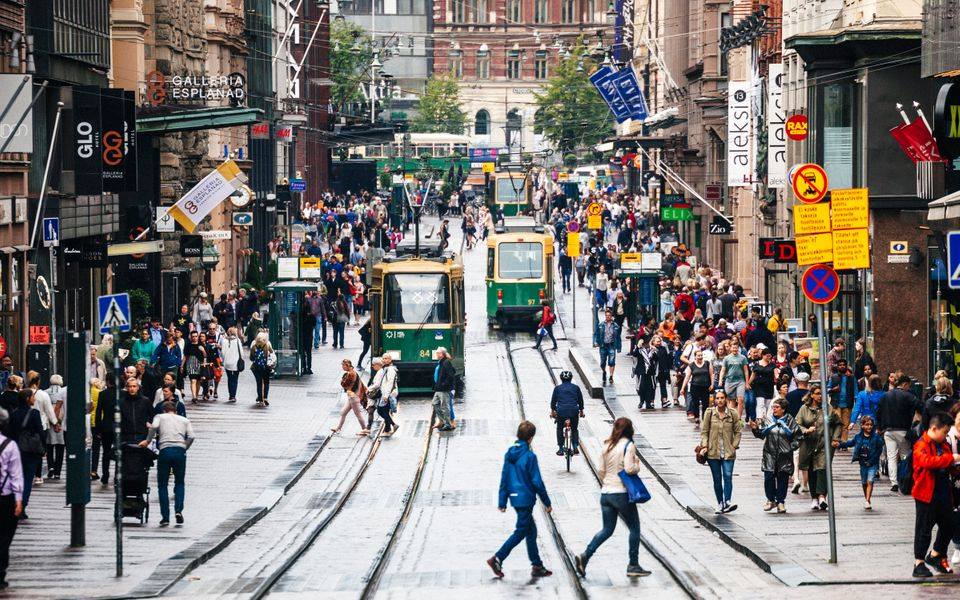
(548, 317)
(685, 305)
(925, 461)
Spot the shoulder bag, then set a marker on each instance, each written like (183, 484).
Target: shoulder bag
(241, 365)
(29, 442)
(636, 490)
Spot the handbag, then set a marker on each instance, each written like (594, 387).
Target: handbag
(240, 364)
(701, 458)
(636, 490)
(29, 442)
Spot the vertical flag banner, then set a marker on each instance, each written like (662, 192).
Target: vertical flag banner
(130, 183)
(85, 142)
(629, 89)
(602, 79)
(206, 195)
(776, 129)
(916, 141)
(111, 139)
(739, 134)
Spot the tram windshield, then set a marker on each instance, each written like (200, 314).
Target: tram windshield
(521, 260)
(416, 298)
(511, 189)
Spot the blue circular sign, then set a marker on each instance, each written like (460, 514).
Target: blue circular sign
(820, 284)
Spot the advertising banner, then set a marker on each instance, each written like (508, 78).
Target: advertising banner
(207, 195)
(23, 136)
(111, 139)
(629, 89)
(776, 130)
(85, 141)
(602, 79)
(739, 135)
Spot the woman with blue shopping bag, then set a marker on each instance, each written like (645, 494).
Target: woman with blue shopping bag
(621, 490)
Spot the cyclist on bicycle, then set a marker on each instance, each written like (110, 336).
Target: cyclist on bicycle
(567, 404)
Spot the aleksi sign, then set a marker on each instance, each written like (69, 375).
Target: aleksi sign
(739, 134)
(776, 131)
(177, 89)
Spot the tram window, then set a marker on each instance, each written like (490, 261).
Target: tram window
(511, 189)
(521, 260)
(490, 259)
(416, 298)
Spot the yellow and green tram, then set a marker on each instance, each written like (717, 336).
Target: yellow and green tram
(520, 274)
(417, 306)
(512, 193)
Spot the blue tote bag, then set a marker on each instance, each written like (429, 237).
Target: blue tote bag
(636, 490)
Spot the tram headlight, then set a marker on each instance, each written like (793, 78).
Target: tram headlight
(393, 354)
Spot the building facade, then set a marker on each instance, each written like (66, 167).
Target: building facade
(502, 52)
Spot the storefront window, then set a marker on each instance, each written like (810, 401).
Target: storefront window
(838, 134)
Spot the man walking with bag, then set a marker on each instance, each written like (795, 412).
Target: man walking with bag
(520, 481)
(444, 380)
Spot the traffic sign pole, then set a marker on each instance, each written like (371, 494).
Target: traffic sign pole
(118, 461)
(827, 442)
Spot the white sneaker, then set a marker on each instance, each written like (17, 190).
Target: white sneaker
(867, 506)
(768, 506)
(38, 481)
(956, 557)
(815, 504)
(719, 509)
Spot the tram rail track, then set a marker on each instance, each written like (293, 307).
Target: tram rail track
(565, 553)
(372, 579)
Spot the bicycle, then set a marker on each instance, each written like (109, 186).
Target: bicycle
(567, 443)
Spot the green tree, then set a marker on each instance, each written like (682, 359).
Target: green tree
(570, 111)
(440, 108)
(350, 57)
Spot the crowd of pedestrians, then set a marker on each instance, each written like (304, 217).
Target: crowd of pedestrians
(733, 365)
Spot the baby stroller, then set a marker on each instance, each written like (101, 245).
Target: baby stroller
(134, 487)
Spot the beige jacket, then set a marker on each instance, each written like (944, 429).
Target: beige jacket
(619, 458)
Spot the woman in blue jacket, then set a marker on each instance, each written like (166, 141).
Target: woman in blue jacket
(521, 483)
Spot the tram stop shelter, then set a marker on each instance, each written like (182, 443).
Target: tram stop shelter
(640, 273)
(284, 324)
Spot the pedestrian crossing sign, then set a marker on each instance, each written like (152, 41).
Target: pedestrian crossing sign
(114, 312)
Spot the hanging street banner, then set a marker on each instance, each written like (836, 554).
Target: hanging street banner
(776, 129)
(602, 79)
(629, 88)
(23, 136)
(207, 195)
(623, 31)
(621, 91)
(739, 134)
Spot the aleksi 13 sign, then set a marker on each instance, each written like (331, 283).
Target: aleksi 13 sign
(739, 134)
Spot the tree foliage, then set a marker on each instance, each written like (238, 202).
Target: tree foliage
(351, 52)
(440, 108)
(570, 112)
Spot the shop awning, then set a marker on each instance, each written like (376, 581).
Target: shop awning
(944, 208)
(194, 120)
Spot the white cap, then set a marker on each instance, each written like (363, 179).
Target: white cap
(803, 376)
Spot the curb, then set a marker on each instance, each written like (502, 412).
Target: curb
(174, 568)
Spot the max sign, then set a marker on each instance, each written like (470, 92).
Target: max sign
(777, 250)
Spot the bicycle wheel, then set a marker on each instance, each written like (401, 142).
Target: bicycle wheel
(567, 450)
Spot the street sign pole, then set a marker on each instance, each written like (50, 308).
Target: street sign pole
(827, 442)
(118, 461)
(78, 456)
(53, 311)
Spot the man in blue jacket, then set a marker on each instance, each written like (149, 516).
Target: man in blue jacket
(607, 339)
(520, 481)
(567, 403)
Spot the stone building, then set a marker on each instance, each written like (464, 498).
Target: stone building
(502, 51)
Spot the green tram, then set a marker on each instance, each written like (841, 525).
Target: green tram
(417, 306)
(520, 273)
(512, 192)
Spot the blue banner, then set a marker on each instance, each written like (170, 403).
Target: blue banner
(621, 91)
(603, 80)
(629, 89)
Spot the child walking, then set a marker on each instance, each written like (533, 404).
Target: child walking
(867, 449)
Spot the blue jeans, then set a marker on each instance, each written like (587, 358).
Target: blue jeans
(750, 405)
(608, 355)
(29, 463)
(339, 330)
(453, 416)
(612, 506)
(320, 331)
(526, 529)
(722, 486)
(174, 458)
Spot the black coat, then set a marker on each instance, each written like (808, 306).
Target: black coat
(777, 449)
(446, 378)
(135, 413)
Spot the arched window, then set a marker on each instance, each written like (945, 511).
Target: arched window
(481, 125)
(514, 125)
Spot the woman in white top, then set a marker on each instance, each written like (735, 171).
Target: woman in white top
(380, 391)
(619, 454)
(232, 352)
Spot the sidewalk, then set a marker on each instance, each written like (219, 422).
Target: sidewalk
(243, 460)
(873, 546)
